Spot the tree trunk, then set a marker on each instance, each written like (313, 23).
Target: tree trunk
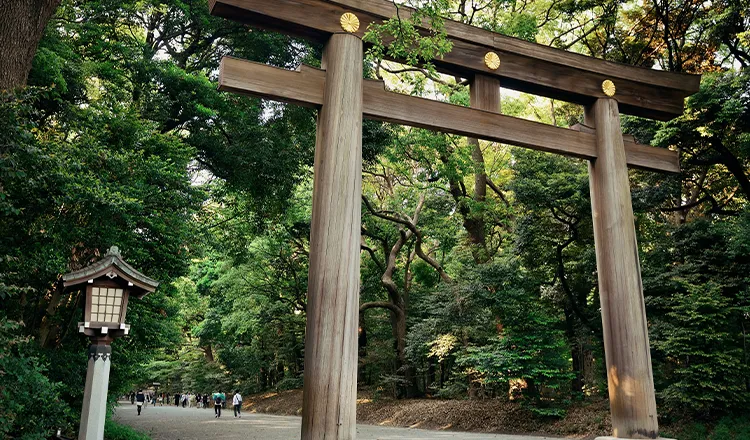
(208, 351)
(403, 366)
(430, 374)
(442, 374)
(280, 371)
(532, 390)
(397, 303)
(49, 328)
(576, 352)
(298, 355)
(21, 27)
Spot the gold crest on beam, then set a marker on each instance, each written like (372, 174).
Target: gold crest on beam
(492, 61)
(349, 22)
(608, 87)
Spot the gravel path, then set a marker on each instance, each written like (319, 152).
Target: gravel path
(172, 423)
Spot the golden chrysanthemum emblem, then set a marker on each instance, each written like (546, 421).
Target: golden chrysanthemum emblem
(608, 87)
(492, 60)
(349, 22)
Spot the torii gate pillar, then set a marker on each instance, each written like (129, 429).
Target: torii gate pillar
(626, 345)
(329, 406)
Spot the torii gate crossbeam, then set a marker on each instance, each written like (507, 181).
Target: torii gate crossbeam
(343, 97)
(305, 87)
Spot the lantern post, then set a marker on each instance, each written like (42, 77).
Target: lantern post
(109, 284)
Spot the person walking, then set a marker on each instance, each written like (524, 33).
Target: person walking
(217, 405)
(237, 402)
(140, 398)
(205, 401)
(132, 398)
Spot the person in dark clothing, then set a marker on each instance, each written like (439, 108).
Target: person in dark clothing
(140, 398)
(176, 400)
(217, 406)
(132, 398)
(205, 401)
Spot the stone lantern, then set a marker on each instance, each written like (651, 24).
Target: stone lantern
(109, 284)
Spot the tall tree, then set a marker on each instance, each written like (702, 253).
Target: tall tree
(398, 296)
(21, 28)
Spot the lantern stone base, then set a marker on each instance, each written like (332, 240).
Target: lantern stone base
(94, 410)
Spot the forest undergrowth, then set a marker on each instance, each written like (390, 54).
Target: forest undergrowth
(584, 420)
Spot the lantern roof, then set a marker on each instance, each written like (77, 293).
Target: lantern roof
(113, 266)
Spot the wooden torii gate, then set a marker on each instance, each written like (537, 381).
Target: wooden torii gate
(486, 58)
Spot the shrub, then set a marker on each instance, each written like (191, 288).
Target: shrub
(289, 383)
(728, 428)
(701, 341)
(116, 431)
(31, 407)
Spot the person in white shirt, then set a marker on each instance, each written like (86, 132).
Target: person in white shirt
(237, 402)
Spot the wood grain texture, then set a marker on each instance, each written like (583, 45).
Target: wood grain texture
(638, 155)
(330, 386)
(484, 94)
(525, 66)
(305, 87)
(626, 344)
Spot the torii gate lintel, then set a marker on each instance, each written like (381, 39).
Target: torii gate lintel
(525, 66)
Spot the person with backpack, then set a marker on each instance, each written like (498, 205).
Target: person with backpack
(237, 402)
(140, 398)
(217, 405)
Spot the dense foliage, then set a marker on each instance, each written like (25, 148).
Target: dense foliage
(478, 274)
(23, 369)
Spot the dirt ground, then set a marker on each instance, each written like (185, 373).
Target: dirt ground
(583, 421)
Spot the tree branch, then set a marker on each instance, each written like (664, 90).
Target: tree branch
(416, 232)
(382, 305)
(497, 191)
